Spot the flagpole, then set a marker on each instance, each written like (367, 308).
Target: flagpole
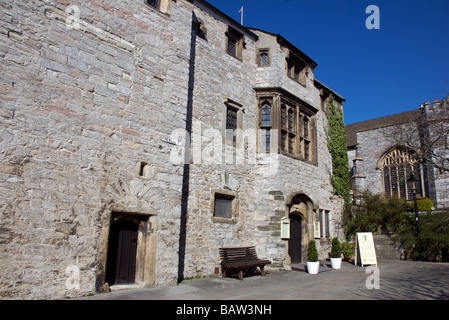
(241, 20)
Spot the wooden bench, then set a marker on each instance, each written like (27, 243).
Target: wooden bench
(240, 259)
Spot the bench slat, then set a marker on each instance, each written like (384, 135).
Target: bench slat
(241, 258)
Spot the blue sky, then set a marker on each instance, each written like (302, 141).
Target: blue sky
(380, 71)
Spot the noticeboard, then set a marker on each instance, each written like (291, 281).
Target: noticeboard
(365, 249)
(285, 228)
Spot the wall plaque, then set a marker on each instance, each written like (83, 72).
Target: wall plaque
(285, 228)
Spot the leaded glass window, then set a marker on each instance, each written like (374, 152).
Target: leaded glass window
(231, 124)
(264, 59)
(232, 46)
(266, 115)
(397, 167)
(266, 140)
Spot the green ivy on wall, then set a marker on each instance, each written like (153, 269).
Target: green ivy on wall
(336, 143)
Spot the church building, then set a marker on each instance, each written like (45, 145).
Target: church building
(403, 155)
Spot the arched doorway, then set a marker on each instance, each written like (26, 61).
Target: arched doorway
(122, 252)
(295, 241)
(300, 213)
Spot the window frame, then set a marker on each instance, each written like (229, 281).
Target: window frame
(238, 108)
(237, 38)
(264, 127)
(324, 216)
(399, 162)
(229, 195)
(296, 69)
(162, 6)
(260, 53)
(301, 147)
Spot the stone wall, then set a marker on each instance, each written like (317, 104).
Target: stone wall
(438, 115)
(80, 107)
(262, 188)
(374, 141)
(96, 101)
(387, 249)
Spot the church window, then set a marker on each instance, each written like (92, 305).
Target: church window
(397, 166)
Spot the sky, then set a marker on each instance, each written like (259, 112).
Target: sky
(379, 72)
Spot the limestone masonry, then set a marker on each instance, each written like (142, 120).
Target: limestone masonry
(138, 137)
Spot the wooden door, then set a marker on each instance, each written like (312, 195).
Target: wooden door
(122, 253)
(295, 241)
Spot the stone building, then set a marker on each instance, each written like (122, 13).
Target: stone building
(385, 153)
(138, 137)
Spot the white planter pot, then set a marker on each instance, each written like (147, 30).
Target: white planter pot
(336, 263)
(312, 267)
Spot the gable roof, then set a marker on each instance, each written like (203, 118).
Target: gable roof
(284, 42)
(388, 121)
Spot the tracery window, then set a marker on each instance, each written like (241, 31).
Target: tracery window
(397, 167)
(289, 123)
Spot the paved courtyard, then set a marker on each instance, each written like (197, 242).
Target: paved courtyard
(393, 280)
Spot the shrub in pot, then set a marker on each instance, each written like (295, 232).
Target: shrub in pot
(348, 250)
(312, 258)
(336, 254)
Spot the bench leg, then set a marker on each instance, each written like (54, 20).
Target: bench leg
(241, 275)
(262, 270)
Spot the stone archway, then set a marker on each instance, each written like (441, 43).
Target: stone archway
(131, 224)
(300, 212)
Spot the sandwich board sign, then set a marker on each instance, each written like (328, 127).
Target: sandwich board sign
(365, 249)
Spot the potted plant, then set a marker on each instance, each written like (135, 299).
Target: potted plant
(336, 254)
(348, 250)
(312, 258)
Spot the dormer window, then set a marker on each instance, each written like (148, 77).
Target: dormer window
(161, 5)
(235, 43)
(296, 69)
